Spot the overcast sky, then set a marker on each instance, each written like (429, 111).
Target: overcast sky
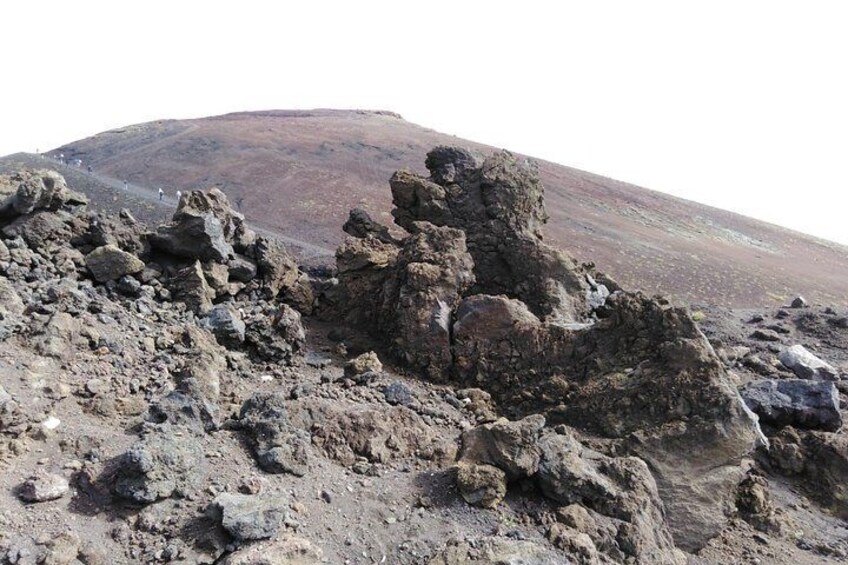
(741, 105)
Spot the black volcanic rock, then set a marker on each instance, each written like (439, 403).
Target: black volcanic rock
(794, 402)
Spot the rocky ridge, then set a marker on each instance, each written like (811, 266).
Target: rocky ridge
(199, 398)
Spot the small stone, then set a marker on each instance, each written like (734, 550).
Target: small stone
(398, 393)
(326, 496)
(94, 386)
(43, 486)
(249, 517)
(365, 363)
(317, 360)
(51, 423)
(799, 302)
(250, 485)
(109, 263)
(481, 485)
(765, 335)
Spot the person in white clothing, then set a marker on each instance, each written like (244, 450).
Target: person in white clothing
(161, 193)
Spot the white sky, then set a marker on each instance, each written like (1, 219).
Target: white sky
(742, 105)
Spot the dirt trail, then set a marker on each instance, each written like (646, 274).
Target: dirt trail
(303, 249)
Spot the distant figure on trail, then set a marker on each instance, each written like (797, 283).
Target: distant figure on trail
(161, 194)
(126, 186)
(89, 168)
(179, 195)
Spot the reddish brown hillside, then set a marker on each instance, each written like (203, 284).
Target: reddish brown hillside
(299, 172)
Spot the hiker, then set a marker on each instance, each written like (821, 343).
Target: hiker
(89, 169)
(179, 195)
(161, 194)
(126, 186)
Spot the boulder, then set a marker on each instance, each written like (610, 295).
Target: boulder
(204, 227)
(364, 266)
(818, 461)
(279, 447)
(121, 231)
(806, 365)
(226, 324)
(509, 446)
(198, 237)
(275, 334)
(217, 277)
(180, 409)
(276, 268)
(242, 269)
(481, 485)
(43, 230)
(160, 465)
(795, 402)
(348, 431)
(619, 489)
(39, 190)
(398, 393)
(109, 263)
(199, 375)
(405, 295)
(58, 337)
(189, 286)
(359, 224)
(499, 207)
(365, 364)
(249, 517)
(765, 335)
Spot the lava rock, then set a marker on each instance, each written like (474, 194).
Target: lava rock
(365, 363)
(806, 365)
(276, 269)
(198, 228)
(799, 302)
(481, 485)
(765, 335)
(109, 263)
(242, 269)
(398, 393)
(189, 286)
(159, 466)
(359, 224)
(249, 517)
(275, 335)
(510, 446)
(795, 402)
(617, 489)
(286, 549)
(43, 486)
(279, 447)
(226, 324)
